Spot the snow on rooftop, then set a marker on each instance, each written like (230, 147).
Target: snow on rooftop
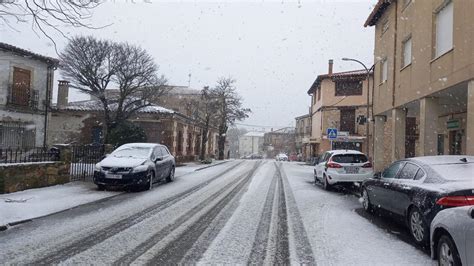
(95, 105)
(255, 134)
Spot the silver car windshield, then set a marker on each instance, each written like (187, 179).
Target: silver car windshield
(135, 152)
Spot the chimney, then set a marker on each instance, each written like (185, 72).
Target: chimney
(63, 93)
(330, 66)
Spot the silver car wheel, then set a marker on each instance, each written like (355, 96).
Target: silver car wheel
(446, 255)
(416, 225)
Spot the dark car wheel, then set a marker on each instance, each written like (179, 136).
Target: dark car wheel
(101, 187)
(170, 177)
(447, 252)
(418, 227)
(326, 184)
(368, 207)
(151, 177)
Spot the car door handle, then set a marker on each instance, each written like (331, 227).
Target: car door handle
(405, 187)
(386, 184)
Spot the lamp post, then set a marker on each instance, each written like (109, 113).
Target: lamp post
(367, 149)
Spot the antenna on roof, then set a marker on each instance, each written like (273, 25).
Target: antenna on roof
(464, 160)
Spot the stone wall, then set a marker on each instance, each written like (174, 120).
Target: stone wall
(17, 177)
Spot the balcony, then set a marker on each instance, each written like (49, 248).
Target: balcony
(26, 100)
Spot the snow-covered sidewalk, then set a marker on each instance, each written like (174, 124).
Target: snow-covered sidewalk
(33, 203)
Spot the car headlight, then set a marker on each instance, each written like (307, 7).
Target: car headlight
(97, 167)
(140, 168)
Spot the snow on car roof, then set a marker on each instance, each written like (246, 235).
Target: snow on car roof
(443, 159)
(337, 152)
(140, 145)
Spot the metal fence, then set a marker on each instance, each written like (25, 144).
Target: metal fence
(83, 160)
(26, 155)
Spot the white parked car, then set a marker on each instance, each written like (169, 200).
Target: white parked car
(281, 157)
(342, 166)
(452, 236)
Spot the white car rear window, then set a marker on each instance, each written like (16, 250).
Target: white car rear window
(349, 158)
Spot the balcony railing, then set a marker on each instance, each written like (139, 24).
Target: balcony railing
(24, 99)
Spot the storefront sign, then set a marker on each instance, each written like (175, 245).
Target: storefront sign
(453, 124)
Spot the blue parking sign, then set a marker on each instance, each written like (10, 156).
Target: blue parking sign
(332, 133)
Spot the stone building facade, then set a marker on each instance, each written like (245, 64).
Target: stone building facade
(339, 100)
(279, 141)
(302, 136)
(26, 80)
(81, 122)
(424, 78)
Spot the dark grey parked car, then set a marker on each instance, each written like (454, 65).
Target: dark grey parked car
(135, 165)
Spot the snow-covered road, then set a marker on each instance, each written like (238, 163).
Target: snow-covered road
(240, 212)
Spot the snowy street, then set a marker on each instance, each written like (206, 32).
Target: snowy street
(239, 212)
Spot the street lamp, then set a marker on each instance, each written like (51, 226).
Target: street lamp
(368, 98)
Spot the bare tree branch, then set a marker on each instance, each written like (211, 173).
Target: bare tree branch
(46, 15)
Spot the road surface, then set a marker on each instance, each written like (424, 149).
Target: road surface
(240, 212)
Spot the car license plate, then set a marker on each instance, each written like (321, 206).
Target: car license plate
(352, 169)
(112, 176)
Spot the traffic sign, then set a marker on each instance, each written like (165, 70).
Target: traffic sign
(332, 133)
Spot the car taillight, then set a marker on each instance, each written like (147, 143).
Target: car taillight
(456, 201)
(367, 165)
(333, 165)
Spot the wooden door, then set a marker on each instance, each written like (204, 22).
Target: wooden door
(20, 94)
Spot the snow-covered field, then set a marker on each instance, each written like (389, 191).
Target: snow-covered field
(240, 212)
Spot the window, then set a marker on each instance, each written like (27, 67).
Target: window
(406, 52)
(392, 171)
(444, 29)
(385, 25)
(348, 120)
(420, 174)
(350, 158)
(20, 90)
(348, 87)
(383, 71)
(409, 171)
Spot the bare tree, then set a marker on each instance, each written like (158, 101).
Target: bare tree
(91, 65)
(205, 113)
(46, 15)
(229, 109)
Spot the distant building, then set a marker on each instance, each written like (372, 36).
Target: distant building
(81, 122)
(339, 100)
(251, 143)
(279, 141)
(303, 135)
(424, 79)
(26, 80)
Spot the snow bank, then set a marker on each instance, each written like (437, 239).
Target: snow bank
(38, 202)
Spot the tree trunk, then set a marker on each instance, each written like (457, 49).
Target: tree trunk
(221, 146)
(204, 139)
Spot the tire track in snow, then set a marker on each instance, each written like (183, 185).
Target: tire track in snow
(97, 237)
(303, 247)
(176, 250)
(271, 244)
(257, 256)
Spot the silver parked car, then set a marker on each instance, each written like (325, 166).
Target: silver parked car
(135, 165)
(452, 236)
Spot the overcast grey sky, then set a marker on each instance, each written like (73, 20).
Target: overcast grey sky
(274, 50)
